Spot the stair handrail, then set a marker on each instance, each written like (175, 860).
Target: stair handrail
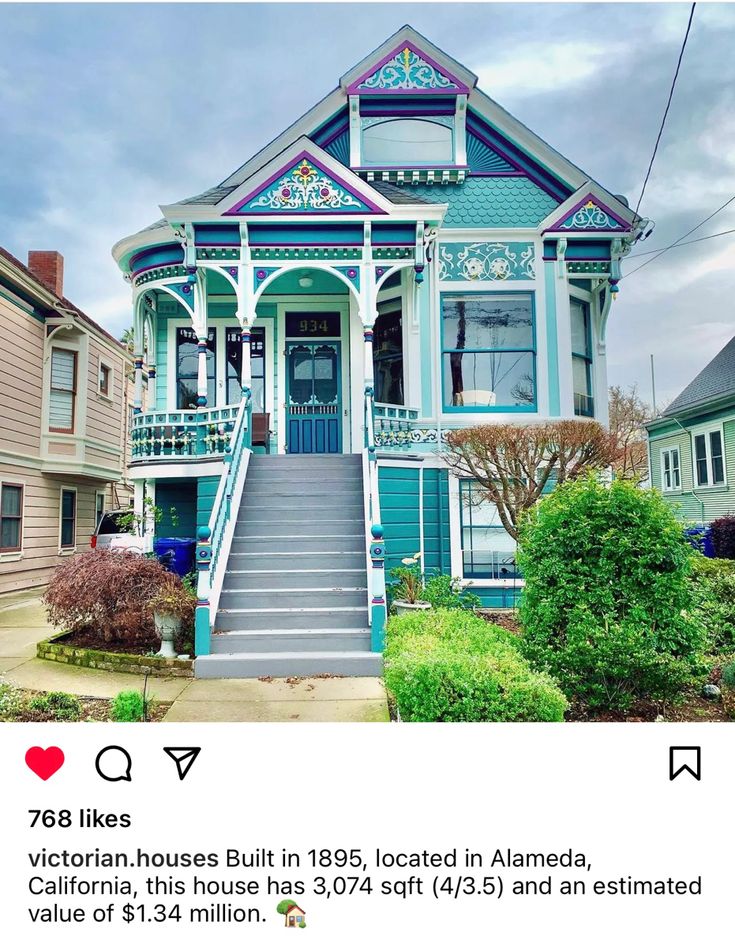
(377, 606)
(214, 541)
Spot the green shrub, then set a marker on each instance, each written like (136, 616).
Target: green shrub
(728, 676)
(608, 607)
(445, 592)
(129, 706)
(450, 665)
(58, 704)
(714, 596)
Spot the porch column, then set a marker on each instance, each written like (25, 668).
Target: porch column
(151, 404)
(369, 369)
(202, 372)
(138, 357)
(200, 325)
(138, 391)
(247, 376)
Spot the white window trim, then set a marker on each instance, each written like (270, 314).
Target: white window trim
(664, 488)
(103, 495)
(11, 556)
(706, 430)
(103, 363)
(455, 538)
(69, 550)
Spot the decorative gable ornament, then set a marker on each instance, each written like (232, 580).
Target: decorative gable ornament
(304, 188)
(590, 216)
(407, 69)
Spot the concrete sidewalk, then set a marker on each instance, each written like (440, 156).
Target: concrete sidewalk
(23, 624)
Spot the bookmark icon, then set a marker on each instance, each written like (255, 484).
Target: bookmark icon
(183, 757)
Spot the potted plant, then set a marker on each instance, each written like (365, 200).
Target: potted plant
(173, 606)
(410, 588)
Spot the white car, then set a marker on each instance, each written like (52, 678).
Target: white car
(110, 535)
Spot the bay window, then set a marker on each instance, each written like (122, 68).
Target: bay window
(488, 550)
(63, 390)
(488, 352)
(582, 358)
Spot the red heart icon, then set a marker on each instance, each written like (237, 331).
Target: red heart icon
(44, 763)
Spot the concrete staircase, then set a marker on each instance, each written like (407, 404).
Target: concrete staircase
(294, 599)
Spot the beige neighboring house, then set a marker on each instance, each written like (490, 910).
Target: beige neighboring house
(64, 423)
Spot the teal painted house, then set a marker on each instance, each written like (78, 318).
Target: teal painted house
(404, 259)
(692, 444)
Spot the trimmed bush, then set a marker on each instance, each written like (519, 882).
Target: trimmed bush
(446, 592)
(450, 665)
(714, 594)
(128, 706)
(723, 537)
(608, 603)
(107, 592)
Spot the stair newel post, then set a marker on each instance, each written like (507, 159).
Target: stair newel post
(378, 607)
(202, 625)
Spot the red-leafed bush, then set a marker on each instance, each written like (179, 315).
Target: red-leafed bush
(107, 593)
(723, 537)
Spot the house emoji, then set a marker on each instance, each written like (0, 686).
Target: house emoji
(295, 917)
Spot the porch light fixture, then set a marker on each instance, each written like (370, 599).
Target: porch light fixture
(305, 282)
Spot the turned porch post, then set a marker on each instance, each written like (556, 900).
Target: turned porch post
(200, 325)
(138, 357)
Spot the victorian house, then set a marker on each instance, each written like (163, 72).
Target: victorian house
(63, 434)
(404, 259)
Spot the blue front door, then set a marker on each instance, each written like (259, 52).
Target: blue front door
(313, 404)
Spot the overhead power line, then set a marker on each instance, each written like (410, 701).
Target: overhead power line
(687, 243)
(683, 237)
(668, 106)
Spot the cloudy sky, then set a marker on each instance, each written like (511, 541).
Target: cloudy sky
(108, 111)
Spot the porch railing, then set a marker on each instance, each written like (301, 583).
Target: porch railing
(375, 546)
(214, 541)
(394, 424)
(173, 435)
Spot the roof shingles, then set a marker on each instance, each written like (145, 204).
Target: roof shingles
(716, 380)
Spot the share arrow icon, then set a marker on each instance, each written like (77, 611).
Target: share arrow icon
(183, 757)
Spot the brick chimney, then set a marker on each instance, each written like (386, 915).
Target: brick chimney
(48, 267)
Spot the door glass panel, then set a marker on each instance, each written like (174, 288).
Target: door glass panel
(301, 381)
(325, 375)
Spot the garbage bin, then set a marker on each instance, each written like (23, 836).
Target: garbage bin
(176, 553)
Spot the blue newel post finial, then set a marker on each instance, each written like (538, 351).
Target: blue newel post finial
(202, 625)
(378, 606)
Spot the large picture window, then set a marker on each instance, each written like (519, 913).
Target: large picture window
(63, 390)
(709, 461)
(582, 358)
(257, 366)
(388, 353)
(11, 517)
(489, 356)
(408, 142)
(187, 368)
(488, 550)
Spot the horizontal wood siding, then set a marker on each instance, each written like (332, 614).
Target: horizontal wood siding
(696, 504)
(21, 370)
(41, 526)
(399, 507)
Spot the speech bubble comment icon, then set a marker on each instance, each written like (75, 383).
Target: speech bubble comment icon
(114, 763)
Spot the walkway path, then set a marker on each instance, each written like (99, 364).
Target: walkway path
(23, 624)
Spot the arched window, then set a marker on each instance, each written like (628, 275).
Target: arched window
(407, 142)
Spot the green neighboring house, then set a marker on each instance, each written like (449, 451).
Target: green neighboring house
(692, 444)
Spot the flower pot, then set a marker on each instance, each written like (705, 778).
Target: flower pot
(402, 606)
(167, 627)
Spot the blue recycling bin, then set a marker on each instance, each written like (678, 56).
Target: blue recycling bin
(176, 553)
(700, 538)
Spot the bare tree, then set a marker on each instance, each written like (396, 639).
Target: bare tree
(512, 464)
(628, 416)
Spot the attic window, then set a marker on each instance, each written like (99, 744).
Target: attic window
(407, 142)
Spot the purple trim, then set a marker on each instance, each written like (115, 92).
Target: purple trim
(236, 209)
(550, 259)
(307, 246)
(328, 141)
(603, 207)
(406, 113)
(353, 89)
